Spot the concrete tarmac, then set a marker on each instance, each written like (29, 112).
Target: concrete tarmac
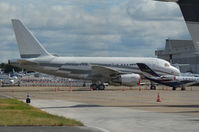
(178, 102)
(118, 108)
(117, 119)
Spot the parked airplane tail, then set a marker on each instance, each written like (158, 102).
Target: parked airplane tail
(190, 11)
(146, 70)
(29, 46)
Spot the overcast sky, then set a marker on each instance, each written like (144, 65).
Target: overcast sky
(92, 27)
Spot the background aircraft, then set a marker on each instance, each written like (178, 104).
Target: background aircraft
(114, 70)
(7, 80)
(17, 74)
(168, 80)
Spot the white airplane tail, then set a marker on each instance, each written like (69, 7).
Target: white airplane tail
(29, 46)
(190, 11)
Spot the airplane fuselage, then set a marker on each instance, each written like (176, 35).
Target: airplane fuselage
(81, 67)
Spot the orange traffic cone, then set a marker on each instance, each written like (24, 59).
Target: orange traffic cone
(91, 89)
(158, 98)
(71, 89)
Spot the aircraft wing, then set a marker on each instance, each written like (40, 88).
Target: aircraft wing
(26, 62)
(191, 83)
(105, 71)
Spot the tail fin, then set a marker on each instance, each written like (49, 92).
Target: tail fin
(13, 70)
(146, 70)
(29, 46)
(190, 11)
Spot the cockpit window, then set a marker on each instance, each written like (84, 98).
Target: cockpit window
(166, 65)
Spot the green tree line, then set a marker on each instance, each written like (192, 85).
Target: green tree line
(8, 68)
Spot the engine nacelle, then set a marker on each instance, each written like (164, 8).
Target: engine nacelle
(127, 79)
(168, 78)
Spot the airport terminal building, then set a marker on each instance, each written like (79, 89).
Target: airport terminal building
(180, 52)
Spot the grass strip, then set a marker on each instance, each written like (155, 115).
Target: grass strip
(18, 113)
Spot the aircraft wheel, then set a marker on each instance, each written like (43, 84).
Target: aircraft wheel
(93, 86)
(174, 88)
(101, 87)
(18, 84)
(153, 87)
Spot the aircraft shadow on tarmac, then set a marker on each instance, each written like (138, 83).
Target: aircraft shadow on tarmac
(75, 106)
(134, 106)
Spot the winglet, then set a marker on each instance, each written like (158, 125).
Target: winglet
(146, 70)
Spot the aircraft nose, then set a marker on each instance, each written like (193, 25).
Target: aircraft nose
(176, 71)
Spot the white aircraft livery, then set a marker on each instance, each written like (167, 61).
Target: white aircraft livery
(169, 80)
(190, 11)
(99, 70)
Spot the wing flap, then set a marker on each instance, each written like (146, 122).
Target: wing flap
(104, 71)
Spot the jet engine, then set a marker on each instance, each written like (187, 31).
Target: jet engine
(127, 79)
(168, 78)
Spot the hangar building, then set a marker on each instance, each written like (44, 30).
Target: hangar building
(180, 52)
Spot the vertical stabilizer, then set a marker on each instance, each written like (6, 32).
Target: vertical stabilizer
(29, 46)
(190, 11)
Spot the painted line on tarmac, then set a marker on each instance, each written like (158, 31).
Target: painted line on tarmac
(101, 129)
(7, 96)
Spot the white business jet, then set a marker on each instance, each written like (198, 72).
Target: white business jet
(99, 70)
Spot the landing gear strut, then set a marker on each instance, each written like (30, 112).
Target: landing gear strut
(174, 88)
(183, 88)
(153, 87)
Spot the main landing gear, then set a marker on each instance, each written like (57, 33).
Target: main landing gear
(153, 87)
(182, 88)
(97, 87)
